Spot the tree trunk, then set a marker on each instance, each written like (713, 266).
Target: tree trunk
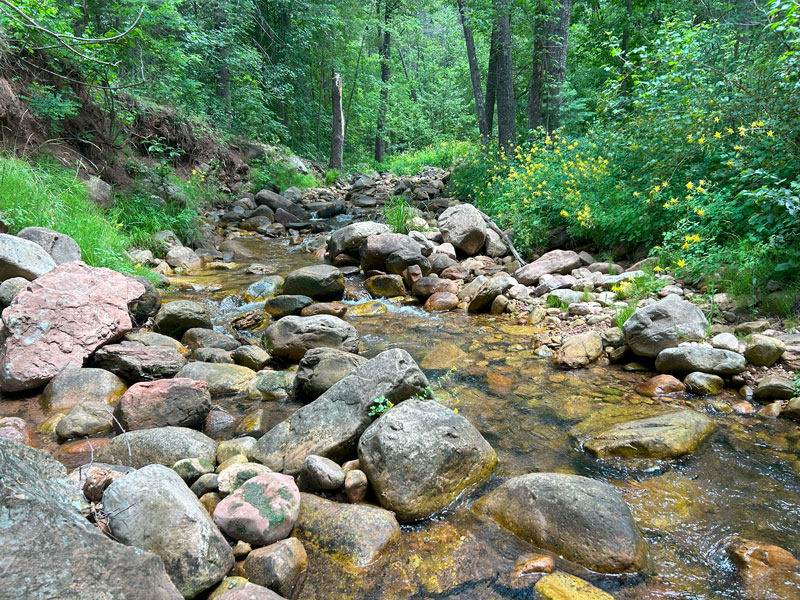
(474, 73)
(506, 131)
(626, 44)
(354, 80)
(549, 69)
(405, 72)
(535, 92)
(380, 135)
(491, 80)
(224, 73)
(337, 135)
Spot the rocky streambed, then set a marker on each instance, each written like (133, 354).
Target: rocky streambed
(535, 440)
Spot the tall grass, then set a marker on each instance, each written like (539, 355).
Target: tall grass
(397, 212)
(444, 155)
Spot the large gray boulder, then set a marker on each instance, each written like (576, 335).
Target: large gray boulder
(584, 520)
(222, 379)
(291, 337)
(687, 359)
(321, 368)
(162, 446)
(320, 282)
(179, 402)
(332, 424)
(464, 227)
(664, 324)
(52, 551)
(59, 246)
(377, 248)
(73, 386)
(153, 509)
(23, 258)
(420, 456)
(348, 239)
(556, 261)
(135, 362)
(177, 317)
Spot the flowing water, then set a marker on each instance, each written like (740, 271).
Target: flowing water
(742, 481)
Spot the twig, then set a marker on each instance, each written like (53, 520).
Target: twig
(506, 240)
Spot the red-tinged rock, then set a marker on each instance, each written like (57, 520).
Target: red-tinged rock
(767, 571)
(83, 446)
(60, 319)
(660, 385)
(14, 428)
(743, 408)
(181, 402)
(440, 302)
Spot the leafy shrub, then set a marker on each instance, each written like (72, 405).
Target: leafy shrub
(284, 176)
(444, 155)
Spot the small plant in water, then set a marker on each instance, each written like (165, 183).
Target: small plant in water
(380, 406)
(397, 213)
(438, 385)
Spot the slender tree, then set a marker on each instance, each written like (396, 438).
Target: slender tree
(337, 136)
(506, 118)
(474, 73)
(491, 79)
(385, 52)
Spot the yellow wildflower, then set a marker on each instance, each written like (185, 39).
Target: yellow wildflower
(564, 213)
(690, 186)
(657, 269)
(681, 263)
(769, 133)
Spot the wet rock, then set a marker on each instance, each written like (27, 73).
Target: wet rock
(272, 385)
(355, 485)
(660, 385)
(191, 469)
(251, 356)
(181, 402)
(320, 282)
(669, 435)
(292, 337)
(337, 309)
(177, 317)
(262, 511)
(420, 456)
(85, 419)
(464, 227)
(367, 309)
(59, 246)
(331, 425)
(774, 387)
(427, 286)
(354, 535)
(229, 448)
(75, 385)
(385, 286)
(135, 362)
(769, 572)
(664, 324)
(556, 261)
(277, 566)
(440, 302)
(563, 586)
(686, 359)
(488, 291)
(285, 305)
(222, 379)
(23, 258)
(213, 355)
(320, 473)
(163, 446)
(764, 351)
(200, 337)
(153, 509)
(264, 289)
(579, 351)
(704, 383)
(231, 478)
(74, 556)
(57, 321)
(349, 238)
(583, 520)
(248, 591)
(375, 249)
(321, 368)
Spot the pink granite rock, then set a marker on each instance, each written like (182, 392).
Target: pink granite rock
(60, 319)
(262, 511)
(181, 402)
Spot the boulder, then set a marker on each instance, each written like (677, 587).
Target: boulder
(725, 341)
(563, 586)
(286, 305)
(321, 368)
(153, 509)
(349, 238)
(264, 288)
(704, 383)
(495, 247)
(222, 379)
(420, 456)
(399, 261)
(59, 246)
(556, 261)
(664, 324)
(181, 257)
(250, 356)
(99, 191)
(337, 309)
(464, 227)
(686, 359)
(272, 385)
(74, 560)
(231, 478)
(291, 337)
(774, 387)
(179, 402)
(669, 435)
(356, 536)
(148, 338)
(320, 282)
(72, 386)
(177, 317)
(385, 286)
(764, 351)
(147, 304)
(488, 291)
(247, 591)
(85, 419)
(441, 301)
(135, 362)
(428, 286)
(261, 511)
(277, 566)
(23, 258)
(9, 290)
(320, 473)
(375, 249)
(331, 425)
(660, 385)
(581, 519)
(579, 351)
(163, 446)
(200, 337)
(60, 319)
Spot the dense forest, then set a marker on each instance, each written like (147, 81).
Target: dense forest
(627, 124)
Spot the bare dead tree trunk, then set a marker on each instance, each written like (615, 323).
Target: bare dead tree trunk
(337, 136)
(491, 80)
(506, 130)
(474, 73)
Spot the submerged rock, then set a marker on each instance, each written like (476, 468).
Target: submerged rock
(563, 586)
(769, 572)
(579, 351)
(420, 456)
(583, 520)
